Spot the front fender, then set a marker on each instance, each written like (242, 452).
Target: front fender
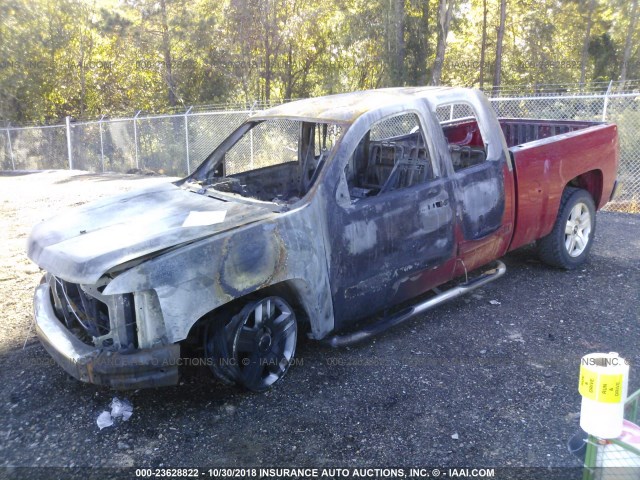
(195, 279)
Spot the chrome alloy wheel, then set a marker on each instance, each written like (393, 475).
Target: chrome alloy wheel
(255, 348)
(577, 230)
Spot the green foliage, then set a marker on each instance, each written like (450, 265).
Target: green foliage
(86, 58)
(603, 50)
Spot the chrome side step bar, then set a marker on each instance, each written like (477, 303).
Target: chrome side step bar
(418, 308)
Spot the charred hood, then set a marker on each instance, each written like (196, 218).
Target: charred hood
(82, 245)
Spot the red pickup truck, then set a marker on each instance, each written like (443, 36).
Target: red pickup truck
(316, 213)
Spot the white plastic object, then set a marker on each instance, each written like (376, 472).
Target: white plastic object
(603, 385)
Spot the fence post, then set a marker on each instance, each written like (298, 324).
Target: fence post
(251, 133)
(101, 143)
(186, 138)
(13, 164)
(135, 136)
(606, 102)
(68, 122)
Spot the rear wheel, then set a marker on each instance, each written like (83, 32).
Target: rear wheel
(569, 243)
(255, 348)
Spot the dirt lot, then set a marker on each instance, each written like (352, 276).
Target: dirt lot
(472, 383)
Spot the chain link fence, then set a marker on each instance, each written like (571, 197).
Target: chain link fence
(621, 108)
(177, 144)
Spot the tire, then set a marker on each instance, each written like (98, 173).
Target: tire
(569, 243)
(255, 348)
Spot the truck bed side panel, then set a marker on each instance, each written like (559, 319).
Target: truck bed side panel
(543, 168)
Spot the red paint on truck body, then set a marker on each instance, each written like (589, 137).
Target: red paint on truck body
(586, 157)
(547, 155)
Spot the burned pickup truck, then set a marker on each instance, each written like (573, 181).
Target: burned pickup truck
(316, 214)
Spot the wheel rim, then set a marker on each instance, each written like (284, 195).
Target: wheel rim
(264, 343)
(578, 230)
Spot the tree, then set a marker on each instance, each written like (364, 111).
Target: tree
(417, 41)
(497, 72)
(633, 17)
(86, 58)
(603, 52)
(590, 4)
(399, 17)
(166, 54)
(445, 10)
(306, 49)
(483, 44)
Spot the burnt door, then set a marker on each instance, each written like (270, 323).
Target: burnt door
(480, 192)
(479, 170)
(396, 225)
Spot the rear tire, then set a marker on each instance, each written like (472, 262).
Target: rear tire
(569, 243)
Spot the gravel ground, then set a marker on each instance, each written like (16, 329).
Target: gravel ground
(472, 383)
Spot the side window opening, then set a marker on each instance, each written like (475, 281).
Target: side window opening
(392, 155)
(459, 124)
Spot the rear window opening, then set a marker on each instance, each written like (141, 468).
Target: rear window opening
(459, 124)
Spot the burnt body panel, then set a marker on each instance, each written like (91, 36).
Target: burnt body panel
(381, 247)
(484, 192)
(481, 199)
(203, 275)
(82, 245)
(384, 248)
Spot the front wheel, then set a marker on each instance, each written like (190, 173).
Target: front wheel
(569, 243)
(255, 348)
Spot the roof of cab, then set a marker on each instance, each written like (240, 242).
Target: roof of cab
(346, 107)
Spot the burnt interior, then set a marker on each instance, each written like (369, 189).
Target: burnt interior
(466, 145)
(286, 174)
(376, 166)
(277, 183)
(386, 165)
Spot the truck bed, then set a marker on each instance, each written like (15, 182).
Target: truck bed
(518, 131)
(547, 155)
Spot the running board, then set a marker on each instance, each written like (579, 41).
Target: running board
(418, 308)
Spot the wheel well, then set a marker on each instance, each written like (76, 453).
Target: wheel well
(289, 290)
(590, 181)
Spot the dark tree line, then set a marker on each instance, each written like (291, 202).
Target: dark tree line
(87, 58)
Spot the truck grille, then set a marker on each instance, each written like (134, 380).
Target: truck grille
(78, 309)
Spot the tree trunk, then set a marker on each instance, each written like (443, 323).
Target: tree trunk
(270, 48)
(83, 74)
(444, 19)
(483, 46)
(424, 42)
(398, 73)
(628, 44)
(166, 52)
(288, 90)
(497, 73)
(585, 43)
(267, 73)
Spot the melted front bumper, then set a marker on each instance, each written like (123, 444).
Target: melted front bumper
(143, 368)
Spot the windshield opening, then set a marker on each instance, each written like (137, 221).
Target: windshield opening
(275, 160)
